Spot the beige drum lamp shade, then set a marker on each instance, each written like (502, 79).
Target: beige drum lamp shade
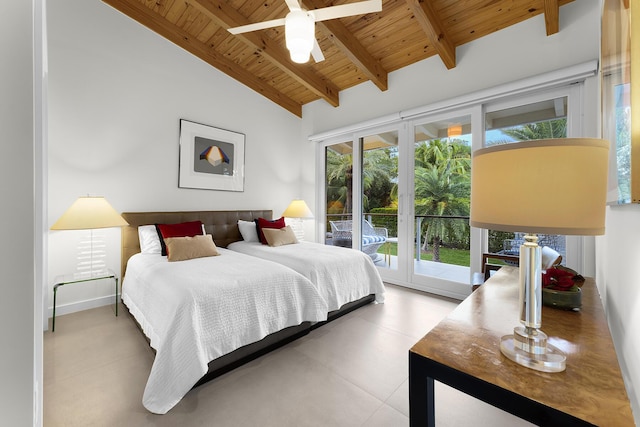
(553, 186)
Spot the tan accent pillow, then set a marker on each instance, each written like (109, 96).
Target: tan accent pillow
(279, 236)
(184, 248)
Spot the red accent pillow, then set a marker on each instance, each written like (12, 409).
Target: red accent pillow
(182, 229)
(265, 223)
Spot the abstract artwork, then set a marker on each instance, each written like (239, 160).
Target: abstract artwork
(210, 158)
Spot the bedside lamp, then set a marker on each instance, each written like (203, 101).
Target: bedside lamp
(298, 210)
(553, 186)
(89, 213)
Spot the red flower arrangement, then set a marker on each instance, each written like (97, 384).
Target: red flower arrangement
(561, 279)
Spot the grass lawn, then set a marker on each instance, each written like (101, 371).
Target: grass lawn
(449, 256)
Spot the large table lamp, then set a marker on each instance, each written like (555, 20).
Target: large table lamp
(298, 210)
(551, 186)
(89, 213)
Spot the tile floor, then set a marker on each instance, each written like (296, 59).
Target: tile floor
(351, 372)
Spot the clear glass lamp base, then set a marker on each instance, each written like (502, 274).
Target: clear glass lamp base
(528, 347)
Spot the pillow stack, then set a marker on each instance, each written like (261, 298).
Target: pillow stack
(270, 232)
(179, 242)
(184, 248)
(279, 236)
(182, 229)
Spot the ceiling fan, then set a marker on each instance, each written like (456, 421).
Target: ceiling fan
(299, 26)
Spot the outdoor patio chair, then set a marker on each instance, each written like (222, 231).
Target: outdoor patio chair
(372, 237)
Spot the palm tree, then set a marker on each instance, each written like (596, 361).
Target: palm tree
(377, 166)
(441, 192)
(339, 171)
(454, 155)
(540, 130)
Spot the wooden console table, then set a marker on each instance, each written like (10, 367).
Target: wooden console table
(463, 351)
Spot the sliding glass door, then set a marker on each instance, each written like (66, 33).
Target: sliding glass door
(379, 198)
(441, 190)
(363, 198)
(401, 192)
(338, 184)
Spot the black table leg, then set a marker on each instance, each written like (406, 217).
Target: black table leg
(421, 394)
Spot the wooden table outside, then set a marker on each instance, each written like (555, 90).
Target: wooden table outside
(463, 351)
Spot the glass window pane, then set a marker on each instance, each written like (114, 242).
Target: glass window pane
(380, 198)
(540, 120)
(442, 171)
(339, 185)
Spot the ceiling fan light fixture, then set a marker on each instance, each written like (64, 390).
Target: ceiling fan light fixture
(299, 34)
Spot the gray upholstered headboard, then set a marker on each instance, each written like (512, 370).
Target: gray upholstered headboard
(222, 225)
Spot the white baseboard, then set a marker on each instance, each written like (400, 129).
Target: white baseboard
(73, 307)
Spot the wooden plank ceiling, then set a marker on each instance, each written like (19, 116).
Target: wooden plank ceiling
(357, 48)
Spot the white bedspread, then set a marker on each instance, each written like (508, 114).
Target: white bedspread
(341, 274)
(197, 310)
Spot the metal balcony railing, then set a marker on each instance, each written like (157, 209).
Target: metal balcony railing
(378, 220)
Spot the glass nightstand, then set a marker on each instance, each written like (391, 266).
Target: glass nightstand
(79, 278)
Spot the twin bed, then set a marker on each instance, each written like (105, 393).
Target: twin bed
(208, 315)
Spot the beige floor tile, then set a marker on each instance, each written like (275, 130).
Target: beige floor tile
(373, 358)
(386, 416)
(286, 388)
(89, 340)
(399, 400)
(351, 372)
(103, 397)
(454, 409)
(408, 312)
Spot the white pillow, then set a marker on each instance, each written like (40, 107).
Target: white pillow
(149, 240)
(248, 231)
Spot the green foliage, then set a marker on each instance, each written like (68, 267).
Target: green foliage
(539, 130)
(449, 256)
(442, 187)
(388, 221)
(623, 153)
(497, 238)
(379, 171)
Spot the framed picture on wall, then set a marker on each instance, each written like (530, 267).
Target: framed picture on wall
(210, 158)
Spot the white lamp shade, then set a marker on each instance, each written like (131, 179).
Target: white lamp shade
(553, 186)
(298, 209)
(89, 213)
(299, 35)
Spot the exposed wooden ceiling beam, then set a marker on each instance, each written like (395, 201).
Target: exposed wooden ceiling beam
(433, 28)
(552, 16)
(175, 34)
(226, 17)
(350, 46)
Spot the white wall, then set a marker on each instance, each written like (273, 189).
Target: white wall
(17, 380)
(618, 261)
(116, 94)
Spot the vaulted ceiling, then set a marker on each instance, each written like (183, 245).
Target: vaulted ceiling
(357, 48)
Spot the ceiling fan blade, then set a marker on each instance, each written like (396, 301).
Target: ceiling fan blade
(293, 4)
(257, 26)
(350, 9)
(316, 52)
